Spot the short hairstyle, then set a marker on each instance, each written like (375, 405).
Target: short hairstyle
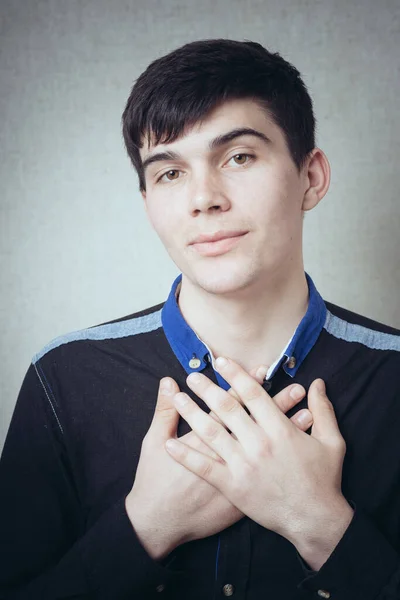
(181, 88)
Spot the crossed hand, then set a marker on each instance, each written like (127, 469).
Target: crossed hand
(260, 464)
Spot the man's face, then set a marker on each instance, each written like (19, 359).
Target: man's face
(247, 187)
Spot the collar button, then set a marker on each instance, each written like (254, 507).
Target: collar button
(194, 363)
(291, 362)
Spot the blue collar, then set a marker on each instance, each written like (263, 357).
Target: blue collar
(193, 353)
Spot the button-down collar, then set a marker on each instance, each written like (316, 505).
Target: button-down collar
(193, 353)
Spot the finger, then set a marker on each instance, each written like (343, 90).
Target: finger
(289, 397)
(216, 417)
(192, 440)
(165, 419)
(213, 434)
(285, 400)
(201, 465)
(303, 419)
(229, 410)
(257, 400)
(258, 373)
(325, 426)
(218, 420)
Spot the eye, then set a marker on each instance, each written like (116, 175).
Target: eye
(242, 158)
(170, 175)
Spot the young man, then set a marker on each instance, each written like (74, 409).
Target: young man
(99, 498)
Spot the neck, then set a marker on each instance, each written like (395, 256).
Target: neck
(252, 326)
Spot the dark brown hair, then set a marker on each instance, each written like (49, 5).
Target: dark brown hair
(182, 87)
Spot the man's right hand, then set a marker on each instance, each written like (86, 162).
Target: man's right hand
(168, 505)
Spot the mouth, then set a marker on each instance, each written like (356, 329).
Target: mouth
(221, 244)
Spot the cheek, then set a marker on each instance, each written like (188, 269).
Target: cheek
(165, 223)
(275, 210)
(270, 201)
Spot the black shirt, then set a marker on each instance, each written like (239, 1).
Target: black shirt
(74, 443)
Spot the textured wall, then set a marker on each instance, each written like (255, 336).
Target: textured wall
(75, 247)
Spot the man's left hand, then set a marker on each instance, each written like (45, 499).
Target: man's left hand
(277, 475)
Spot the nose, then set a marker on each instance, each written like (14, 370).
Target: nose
(208, 196)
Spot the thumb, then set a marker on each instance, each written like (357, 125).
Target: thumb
(166, 417)
(325, 425)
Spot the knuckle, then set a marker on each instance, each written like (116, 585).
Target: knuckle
(232, 392)
(211, 429)
(341, 445)
(193, 441)
(205, 469)
(215, 417)
(338, 444)
(252, 391)
(263, 448)
(228, 404)
(285, 432)
(165, 412)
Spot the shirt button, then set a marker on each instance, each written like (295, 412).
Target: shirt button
(323, 594)
(194, 363)
(291, 362)
(228, 589)
(160, 588)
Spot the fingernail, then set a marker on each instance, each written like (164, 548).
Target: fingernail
(296, 392)
(221, 362)
(194, 378)
(304, 419)
(261, 373)
(172, 445)
(321, 386)
(167, 387)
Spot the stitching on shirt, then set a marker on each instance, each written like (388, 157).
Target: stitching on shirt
(47, 384)
(48, 397)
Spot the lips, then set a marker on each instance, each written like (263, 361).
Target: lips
(217, 236)
(218, 243)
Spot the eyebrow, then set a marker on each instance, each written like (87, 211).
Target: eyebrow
(220, 140)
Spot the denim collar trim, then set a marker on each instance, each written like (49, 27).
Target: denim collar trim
(193, 353)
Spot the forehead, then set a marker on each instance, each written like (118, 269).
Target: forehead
(229, 115)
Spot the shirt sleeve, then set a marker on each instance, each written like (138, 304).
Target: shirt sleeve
(45, 550)
(363, 566)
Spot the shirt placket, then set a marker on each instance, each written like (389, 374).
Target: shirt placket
(233, 562)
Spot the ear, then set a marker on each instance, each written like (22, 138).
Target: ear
(317, 178)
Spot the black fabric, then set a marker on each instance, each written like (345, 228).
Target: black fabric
(70, 459)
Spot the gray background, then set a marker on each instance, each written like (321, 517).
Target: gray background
(75, 246)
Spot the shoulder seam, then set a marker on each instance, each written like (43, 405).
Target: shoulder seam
(352, 332)
(117, 329)
(48, 397)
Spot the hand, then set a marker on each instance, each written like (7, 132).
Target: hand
(273, 472)
(168, 505)
(285, 400)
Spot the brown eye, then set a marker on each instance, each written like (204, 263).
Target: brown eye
(171, 174)
(240, 159)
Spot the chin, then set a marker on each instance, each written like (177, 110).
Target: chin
(223, 281)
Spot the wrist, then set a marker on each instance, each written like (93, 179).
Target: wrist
(154, 538)
(316, 542)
